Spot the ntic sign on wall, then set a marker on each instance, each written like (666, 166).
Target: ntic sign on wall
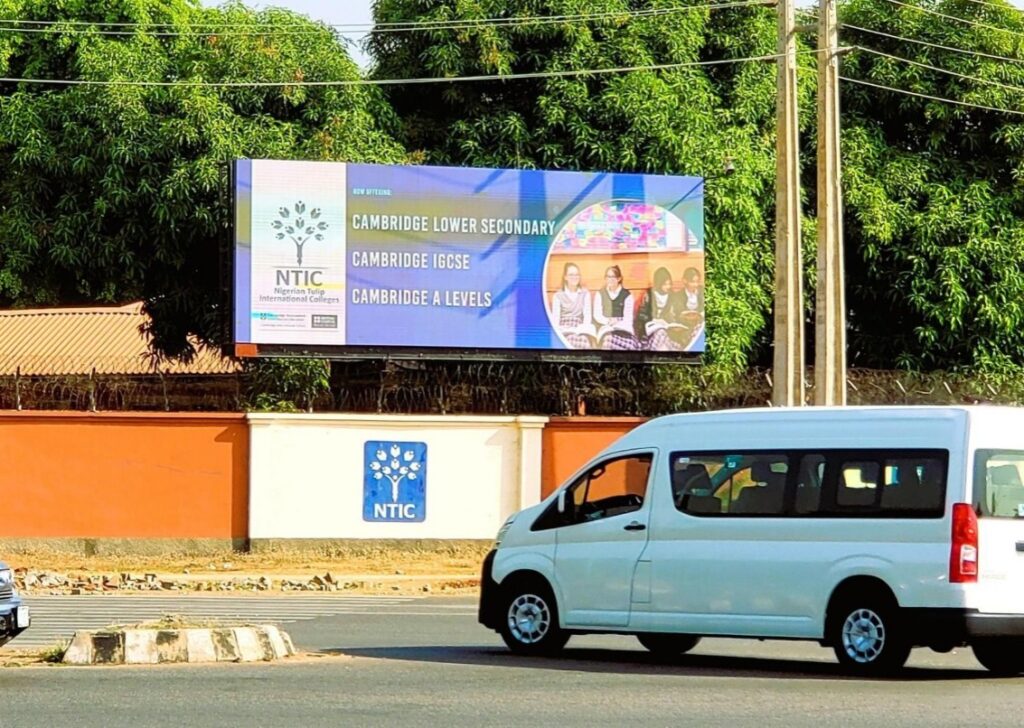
(331, 257)
(394, 481)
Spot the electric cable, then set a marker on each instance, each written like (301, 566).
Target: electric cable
(400, 81)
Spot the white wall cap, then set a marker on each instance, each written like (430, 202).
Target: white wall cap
(342, 419)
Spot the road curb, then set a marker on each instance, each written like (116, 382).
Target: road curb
(257, 643)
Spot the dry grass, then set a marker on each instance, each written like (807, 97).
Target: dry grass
(54, 653)
(180, 621)
(26, 658)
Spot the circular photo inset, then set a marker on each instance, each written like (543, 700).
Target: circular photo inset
(614, 279)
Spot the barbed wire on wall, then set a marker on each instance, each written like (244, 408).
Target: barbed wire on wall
(123, 393)
(504, 388)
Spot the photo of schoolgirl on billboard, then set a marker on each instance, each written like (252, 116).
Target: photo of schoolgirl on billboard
(627, 276)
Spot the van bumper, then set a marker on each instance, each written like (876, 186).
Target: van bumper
(961, 625)
(489, 613)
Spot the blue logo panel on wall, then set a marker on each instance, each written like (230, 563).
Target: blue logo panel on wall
(394, 481)
(331, 254)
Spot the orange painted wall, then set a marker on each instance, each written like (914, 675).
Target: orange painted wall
(569, 442)
(123, 475)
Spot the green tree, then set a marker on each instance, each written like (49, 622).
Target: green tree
(287, 384)
(683, 120)
(112, 193)
(934, 202)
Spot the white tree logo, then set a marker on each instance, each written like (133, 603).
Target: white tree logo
(387, 465)
(298, 229)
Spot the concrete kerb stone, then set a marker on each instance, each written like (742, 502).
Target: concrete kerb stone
(249, 647)
(199, 645)
(140, 647)
(258, 643)
(278, 644)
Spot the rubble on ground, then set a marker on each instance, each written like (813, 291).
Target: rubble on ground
(34, 581)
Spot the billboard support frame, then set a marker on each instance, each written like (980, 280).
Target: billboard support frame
(524, 356)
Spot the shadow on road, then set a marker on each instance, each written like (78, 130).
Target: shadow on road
(642, 663)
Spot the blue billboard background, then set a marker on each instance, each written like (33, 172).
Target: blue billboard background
(470, 258)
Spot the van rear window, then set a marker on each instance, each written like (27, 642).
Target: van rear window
(999, 483)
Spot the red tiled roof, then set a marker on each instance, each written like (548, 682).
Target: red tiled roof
(82, 340)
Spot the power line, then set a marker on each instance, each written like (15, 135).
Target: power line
(399, 81)
(939, 46)
(940, 70)
(930, 97)
(1000, 6)
(497, 20)
(79, 26)
(955, 18)
(952, 49)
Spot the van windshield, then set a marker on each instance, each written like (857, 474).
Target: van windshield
(999, 483)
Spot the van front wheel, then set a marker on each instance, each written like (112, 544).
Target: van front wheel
(668, 645)
(865, 635)
(530, 619)
(1002, 656)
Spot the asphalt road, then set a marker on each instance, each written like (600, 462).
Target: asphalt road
(427, 663)
(55, 618)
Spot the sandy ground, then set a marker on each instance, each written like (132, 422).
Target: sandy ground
(461, 561)
(380, 571)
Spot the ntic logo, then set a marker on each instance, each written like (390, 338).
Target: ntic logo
(295, 225)
(394, 481)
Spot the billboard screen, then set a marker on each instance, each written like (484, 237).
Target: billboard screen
(333, 257)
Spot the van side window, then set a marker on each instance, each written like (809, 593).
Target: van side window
(809, 477)
(913, 484)
(610, 489)
(692, 491)
(847, 483)
(858, 483)
(732, 484)
(759, 488)
(999, 484)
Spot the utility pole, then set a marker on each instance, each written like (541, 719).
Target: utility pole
(788, 362)
(830, 299)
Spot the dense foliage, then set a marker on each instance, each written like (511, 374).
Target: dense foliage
(935, 206)
(681, 120)
(112, 193)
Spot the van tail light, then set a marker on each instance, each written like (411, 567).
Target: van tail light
(963, 555)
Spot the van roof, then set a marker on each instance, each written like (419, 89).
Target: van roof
(850, 413)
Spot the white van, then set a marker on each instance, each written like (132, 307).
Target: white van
(869, 529)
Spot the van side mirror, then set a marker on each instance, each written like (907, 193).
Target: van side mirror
(561, 502)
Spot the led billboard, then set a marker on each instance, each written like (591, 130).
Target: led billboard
(337, 258)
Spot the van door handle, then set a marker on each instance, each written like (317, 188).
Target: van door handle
(1020, 547)
(634, 526)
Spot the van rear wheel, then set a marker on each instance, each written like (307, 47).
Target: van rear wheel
(866, 636)
(530, 619)
(668, 645)
(1001, 656)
